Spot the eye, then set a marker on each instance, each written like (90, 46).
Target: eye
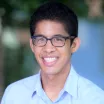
(40, 39)
(58, 39)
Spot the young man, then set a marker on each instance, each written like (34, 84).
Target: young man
(54, 29)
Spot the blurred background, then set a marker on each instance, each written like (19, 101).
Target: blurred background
(16, 58)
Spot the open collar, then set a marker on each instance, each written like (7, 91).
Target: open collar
(71, 84)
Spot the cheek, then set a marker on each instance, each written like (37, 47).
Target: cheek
(66, 51)
(36, 51)
(65, 55)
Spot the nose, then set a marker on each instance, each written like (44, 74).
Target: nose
(49, 48)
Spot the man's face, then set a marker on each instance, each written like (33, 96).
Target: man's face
(52, 60)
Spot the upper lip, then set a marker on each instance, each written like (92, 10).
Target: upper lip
(49, 56)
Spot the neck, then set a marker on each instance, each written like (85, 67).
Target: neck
(53, 84)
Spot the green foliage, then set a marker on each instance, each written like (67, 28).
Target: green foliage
(19, 63)
(28, 6)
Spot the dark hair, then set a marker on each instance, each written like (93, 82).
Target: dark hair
(55, 11)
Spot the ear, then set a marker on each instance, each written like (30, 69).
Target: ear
(75, 45)
(31, 45)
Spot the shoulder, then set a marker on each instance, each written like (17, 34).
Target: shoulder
(22, 87)
(27, 83)
(90, 92)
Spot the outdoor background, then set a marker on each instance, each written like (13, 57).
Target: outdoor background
(16, 58)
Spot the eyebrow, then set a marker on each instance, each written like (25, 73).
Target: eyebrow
(52, 36)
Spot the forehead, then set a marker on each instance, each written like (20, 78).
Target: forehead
(49, 28)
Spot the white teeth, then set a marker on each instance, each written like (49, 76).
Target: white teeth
(50, 59)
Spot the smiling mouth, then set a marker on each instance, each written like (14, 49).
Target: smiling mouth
(50, 61)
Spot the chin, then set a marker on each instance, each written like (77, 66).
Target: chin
(50, 71)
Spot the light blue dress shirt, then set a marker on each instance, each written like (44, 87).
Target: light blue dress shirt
(77, 90)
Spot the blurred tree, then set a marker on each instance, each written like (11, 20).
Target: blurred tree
(22, 9)
(1, 55)
(95, 8)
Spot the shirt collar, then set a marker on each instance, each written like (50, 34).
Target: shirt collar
(71, 83)
(33, 84)
(38, 87)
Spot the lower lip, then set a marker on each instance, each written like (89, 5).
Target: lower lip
(49, 64)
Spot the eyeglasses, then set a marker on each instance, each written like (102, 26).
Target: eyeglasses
(57, 40)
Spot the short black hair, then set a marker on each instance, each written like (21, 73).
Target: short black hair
(55, 11)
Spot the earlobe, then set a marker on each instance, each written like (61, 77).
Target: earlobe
(75, 45)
